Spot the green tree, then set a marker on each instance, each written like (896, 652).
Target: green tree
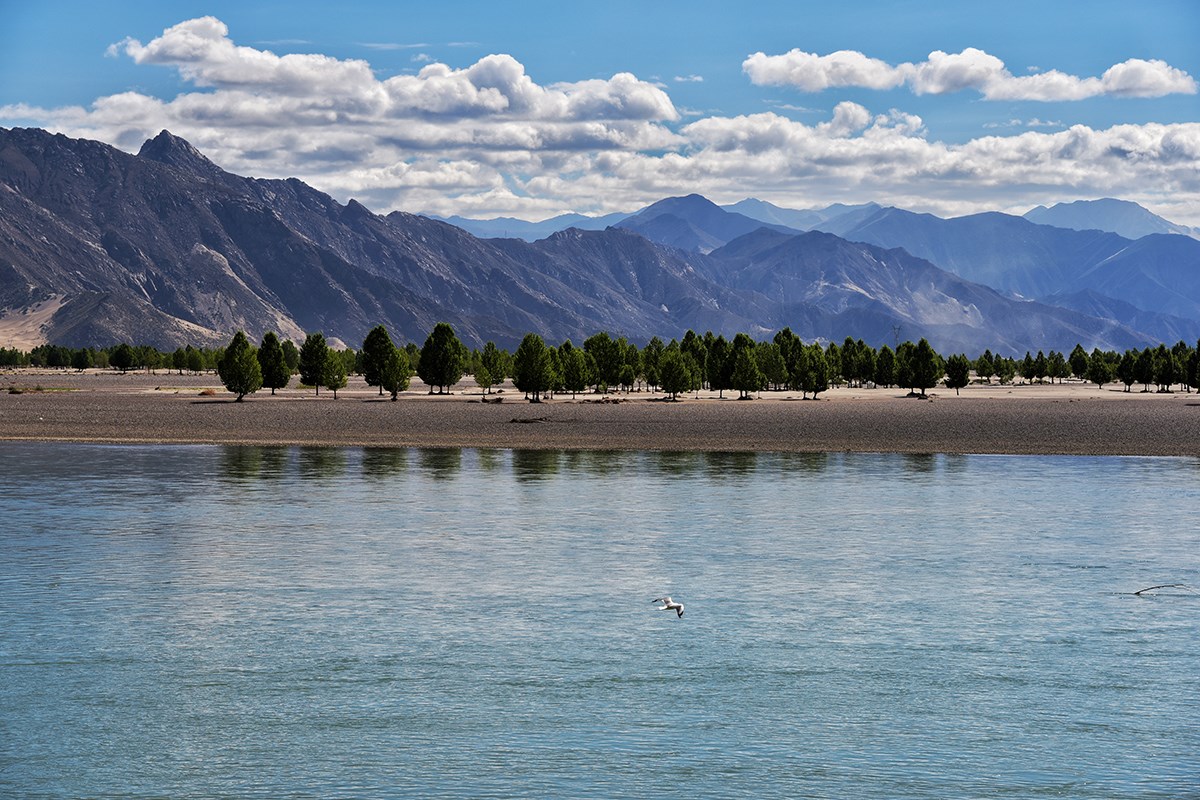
(770, 361)
(1166, 368)
(985, 366)
(1079, 361)
(195, 360)
(608, 357)
(313, 361)
(958, 372)
(179, 360)
(495, 362)
(720, 365)
(574, 366)
(885, 367)
(239, 369)
(745, 375)
(275, 372)
(1099, 371)
(1006, 369)
(291, 355)
(1057, 366)
(532, 368)
(443, 359)
(121, 357)
(1127, 369)
(694, 347)
(336, 371)
(651, 354)
(395, 372)
(375, 349)
(1143, 369)
(1027, 369)
(814, 375)
(926, 367)
(81, 359)
(676, 375)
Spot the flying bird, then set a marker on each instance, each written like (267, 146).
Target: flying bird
(669, 605)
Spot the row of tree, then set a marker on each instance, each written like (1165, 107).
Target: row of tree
(603, 362)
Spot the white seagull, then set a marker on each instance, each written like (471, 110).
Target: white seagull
(669, 605)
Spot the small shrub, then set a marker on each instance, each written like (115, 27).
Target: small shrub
(208, 392)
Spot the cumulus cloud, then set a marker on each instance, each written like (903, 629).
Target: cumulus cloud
(487, 139)
(971, 69)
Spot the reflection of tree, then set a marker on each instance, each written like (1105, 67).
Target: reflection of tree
(807, 463)
(384, 462)
(490, 459)
(240, 463)
(441, 463)
(678, 463)
(726, 465)
(535, 464)
(246, 463)
(920, 462)
(321, 462)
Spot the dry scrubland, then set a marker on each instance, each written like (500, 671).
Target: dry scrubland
(1041, 419)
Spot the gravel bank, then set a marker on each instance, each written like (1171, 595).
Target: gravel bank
(1071, 419)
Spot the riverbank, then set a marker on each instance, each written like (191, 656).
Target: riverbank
(1072, 418)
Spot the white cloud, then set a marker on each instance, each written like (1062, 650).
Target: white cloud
(487, 139)
(971, 69)
(689, 79)
(812, 73)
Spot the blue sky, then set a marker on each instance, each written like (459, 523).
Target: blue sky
(537, 108)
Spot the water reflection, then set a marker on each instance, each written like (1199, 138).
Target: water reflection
(731, 465)
(531, 465)
(314, 463)
(251, 463)
(440, 463)
(808, 463)
(384, 462)
(675, 463)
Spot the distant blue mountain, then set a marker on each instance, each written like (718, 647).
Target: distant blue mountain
(804, 220)
(693, 223)
(1159, 273)
(1115, 216)
(513, 228)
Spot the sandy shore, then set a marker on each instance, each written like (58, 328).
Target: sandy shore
(1060, 419)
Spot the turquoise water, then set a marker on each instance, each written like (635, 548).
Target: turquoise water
(257, 622)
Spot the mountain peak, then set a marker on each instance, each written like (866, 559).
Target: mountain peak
(167, 148)
(1121, 217)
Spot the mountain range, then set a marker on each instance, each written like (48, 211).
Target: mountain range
(166, 248)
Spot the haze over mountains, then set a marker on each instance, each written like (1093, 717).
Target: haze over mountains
(166, 248)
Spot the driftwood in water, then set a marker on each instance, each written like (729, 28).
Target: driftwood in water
(1162, 586)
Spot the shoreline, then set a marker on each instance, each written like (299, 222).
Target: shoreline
(1059, 419)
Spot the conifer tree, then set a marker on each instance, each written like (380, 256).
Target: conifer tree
(313, 360)
(443, 359)
(395, 372)
(336, 373)
(239, 369)
(958, 372)
(375, 349)
(275, 372)
(532, 367)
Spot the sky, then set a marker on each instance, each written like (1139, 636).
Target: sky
(534, 109)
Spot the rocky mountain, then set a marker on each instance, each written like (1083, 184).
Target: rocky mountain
(1157, 273)
(693, 223)
(1115, 216)
(166, 248)
(833, 285)
(513, 228)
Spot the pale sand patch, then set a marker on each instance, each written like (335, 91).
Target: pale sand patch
(1070, 418)
(23, 329)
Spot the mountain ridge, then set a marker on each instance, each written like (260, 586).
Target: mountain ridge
(167, 248)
